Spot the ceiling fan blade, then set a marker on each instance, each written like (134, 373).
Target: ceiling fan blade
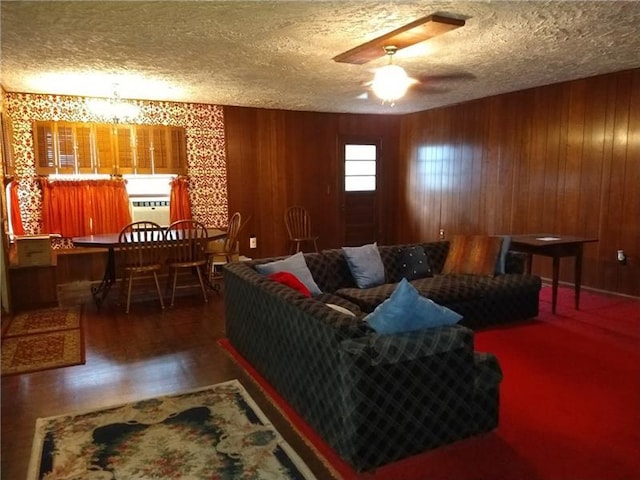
(428, 89)
(444, 77)
(410, 34)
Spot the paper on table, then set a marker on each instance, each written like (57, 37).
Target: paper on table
(548, 239)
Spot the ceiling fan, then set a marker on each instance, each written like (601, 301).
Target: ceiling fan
(391, 81)
(391, 90)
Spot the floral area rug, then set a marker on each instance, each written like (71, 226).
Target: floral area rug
(43, 339)
(217, 432)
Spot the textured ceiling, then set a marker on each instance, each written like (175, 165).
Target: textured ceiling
(279, 54)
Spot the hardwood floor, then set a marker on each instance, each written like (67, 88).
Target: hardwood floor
(147, 353)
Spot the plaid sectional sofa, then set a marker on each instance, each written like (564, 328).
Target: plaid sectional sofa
(481, 300)
(376, 398)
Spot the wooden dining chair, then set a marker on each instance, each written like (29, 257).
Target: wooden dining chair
(220, 256)
(187, 240)
(141, 246)
(298, 223)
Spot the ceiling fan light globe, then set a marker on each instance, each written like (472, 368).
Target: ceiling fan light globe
(390, 83)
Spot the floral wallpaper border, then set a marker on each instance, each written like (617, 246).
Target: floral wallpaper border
(206, 148)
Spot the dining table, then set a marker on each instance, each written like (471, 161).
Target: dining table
(110, 241)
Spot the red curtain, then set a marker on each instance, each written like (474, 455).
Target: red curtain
(65, 208)
(75, 208)
(110, 206)
(16, 219)
(179, 205)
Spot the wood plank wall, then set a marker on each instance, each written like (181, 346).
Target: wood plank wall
(278, 158)
(563, 159)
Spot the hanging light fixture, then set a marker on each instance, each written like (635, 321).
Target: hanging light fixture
(114, 109)
(391, 81)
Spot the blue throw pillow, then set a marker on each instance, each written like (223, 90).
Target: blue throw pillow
(406, 310)
(365, 265)
(296, 265)
(414, 263)
(502, 256)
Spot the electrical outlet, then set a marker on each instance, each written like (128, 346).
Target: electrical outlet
(253, 242)
(621, 257)
(441, 233)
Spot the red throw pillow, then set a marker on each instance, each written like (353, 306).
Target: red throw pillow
(290, 280)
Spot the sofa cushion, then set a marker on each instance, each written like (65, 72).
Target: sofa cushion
(437, 253)
(447, 289)
(341, 309)
(317, 264)
(473, 254)
(367, 298)
(342, 325)
(341, 301)
(290, 280)
(337, 274)
(390, 256)
(406, 310)
(450, 290)
(294, 264)
(365, 265)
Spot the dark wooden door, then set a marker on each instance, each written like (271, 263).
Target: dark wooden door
(359, 191)
(360, 218)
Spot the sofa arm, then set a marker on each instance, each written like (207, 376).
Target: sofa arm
(486, 397)
(488, 373)
(404, 393)
(386, 349)
(515, 262)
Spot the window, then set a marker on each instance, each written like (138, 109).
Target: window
(160, 149)
(76, 148)
(360, 167)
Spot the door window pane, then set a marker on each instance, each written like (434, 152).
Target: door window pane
(360, 152)
(363, 167)
(360, 184)
(360, 167)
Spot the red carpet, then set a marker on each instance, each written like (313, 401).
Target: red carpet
(570, 401)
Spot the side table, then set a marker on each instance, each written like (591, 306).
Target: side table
(554, 246)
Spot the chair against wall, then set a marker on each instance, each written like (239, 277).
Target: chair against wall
(187, 240)
(298, 223)
(219, 256)
(141, 246)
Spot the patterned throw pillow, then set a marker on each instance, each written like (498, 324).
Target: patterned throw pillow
(473, 254)
(406, 311)
(365, 265)
(414, 263)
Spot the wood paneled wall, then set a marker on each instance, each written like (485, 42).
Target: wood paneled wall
(562, 159)
(278, 158)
